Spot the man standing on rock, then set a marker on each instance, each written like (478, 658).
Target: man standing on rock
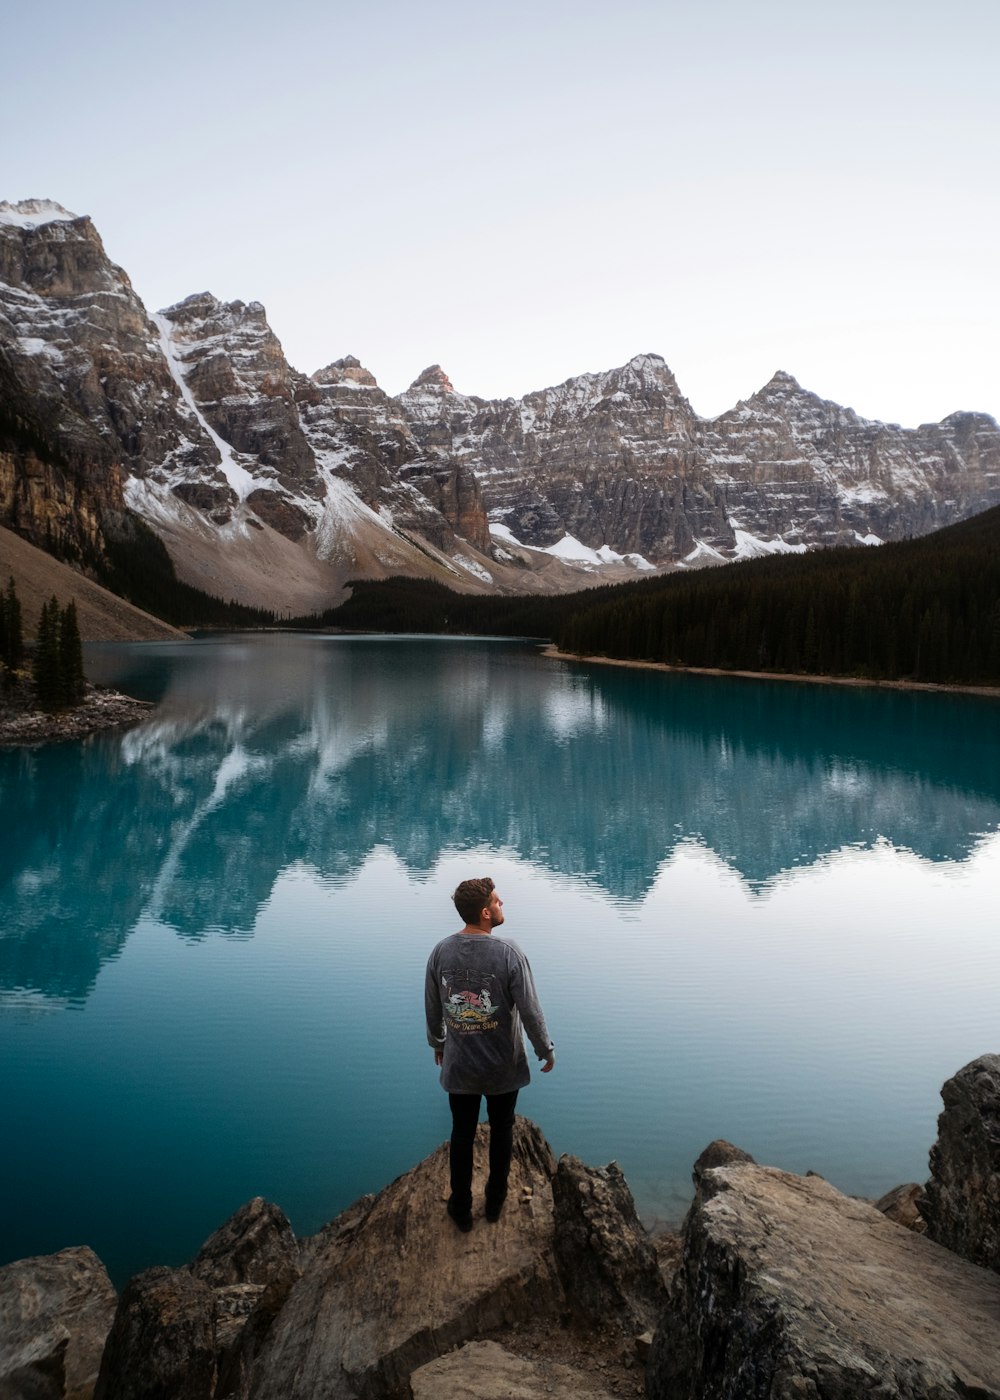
(478, 993)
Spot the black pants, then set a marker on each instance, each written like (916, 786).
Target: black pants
(464, 1120)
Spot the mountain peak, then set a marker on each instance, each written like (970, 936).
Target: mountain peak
(30, 213)
(347, 370)
(201, 303)
(781, 379)
(205, 306)
(433, 377)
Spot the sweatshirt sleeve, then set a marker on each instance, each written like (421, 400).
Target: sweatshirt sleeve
(522, 986)
(433, 1008)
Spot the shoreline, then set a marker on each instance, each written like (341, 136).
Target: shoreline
(100, 709)
(989, 692)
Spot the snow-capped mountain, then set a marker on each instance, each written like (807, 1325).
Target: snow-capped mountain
(273, 487)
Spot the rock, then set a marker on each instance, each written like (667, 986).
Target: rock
(240, 1346)
(162, 1342)
(399, 1285)
(487, 1371)
(280, 513)
(961, 1201)
(99, 709)
(719, 1153)
(234, 1304)
(606, 1260)
(255, 1245)
(791, 1289)
(668, 1246)
(88, 394)
(902, 1204)
(251, 1263)
(55, 1314)
(233, 366)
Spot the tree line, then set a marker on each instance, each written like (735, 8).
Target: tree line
(924, 609)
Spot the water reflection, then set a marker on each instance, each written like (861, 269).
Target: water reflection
(267, 753)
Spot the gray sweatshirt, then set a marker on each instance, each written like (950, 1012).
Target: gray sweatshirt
(478, 992)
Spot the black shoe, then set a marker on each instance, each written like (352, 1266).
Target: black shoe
(462, 1220)
(494, 1211)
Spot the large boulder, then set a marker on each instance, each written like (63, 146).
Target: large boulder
(55, 1314)
(398, 1285)
(902, 1204)
(790, 1289)
(255, 1245)
(718, 1153)
(961, 1202)
(488, 1371)
(606, 1260)
(162, 1344)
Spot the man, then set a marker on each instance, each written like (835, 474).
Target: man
(478, 994)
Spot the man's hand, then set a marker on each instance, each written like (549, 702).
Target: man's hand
(549, 1063)
(439, 1057)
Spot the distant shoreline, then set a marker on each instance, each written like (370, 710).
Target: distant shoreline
(988, 691)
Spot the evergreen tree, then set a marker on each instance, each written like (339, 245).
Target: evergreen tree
(71, 677)
(11, 630)
(46, 670)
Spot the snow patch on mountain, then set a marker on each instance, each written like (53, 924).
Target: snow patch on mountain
(343, 520)
(30, 213)
(473, 568)
(863, 495)
(572, 551)
(155, 502)
(240, 479)
(703, 554)
(750, 547)
(32, 345)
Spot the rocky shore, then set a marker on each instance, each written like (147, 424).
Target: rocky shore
(22, 724)
(990, 691)
(779, 1287)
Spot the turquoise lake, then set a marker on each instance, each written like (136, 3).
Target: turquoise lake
(763, 911)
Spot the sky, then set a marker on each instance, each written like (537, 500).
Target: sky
(522, 192)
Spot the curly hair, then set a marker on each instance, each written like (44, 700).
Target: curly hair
(472, 897)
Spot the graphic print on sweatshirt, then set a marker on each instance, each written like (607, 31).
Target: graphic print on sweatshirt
(470, 1001)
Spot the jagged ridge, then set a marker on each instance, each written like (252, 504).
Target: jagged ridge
(274, 487)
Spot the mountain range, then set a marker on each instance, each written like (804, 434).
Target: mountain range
(273, 487)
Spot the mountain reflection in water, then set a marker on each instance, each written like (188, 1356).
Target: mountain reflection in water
(758, 911)
(271, 752)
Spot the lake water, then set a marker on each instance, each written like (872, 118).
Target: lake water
(761, 911)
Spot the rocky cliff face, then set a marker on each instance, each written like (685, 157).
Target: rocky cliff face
(620, 459)
(359, 431)
(273, 487)
(264, 485)
(603, 457)
(795, 465)
(85, 395)
(961, 1201)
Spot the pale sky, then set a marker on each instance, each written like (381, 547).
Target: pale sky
(526, 191)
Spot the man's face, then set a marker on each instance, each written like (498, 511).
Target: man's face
(495, 910)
